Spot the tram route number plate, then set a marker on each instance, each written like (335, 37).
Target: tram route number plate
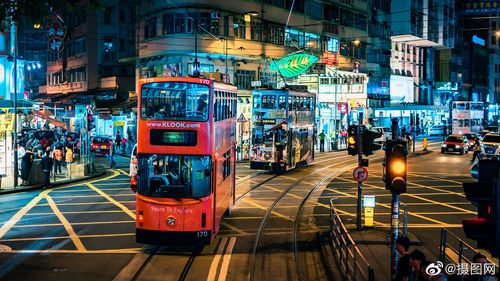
(360, 174)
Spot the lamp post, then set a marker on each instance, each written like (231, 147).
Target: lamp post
(14, 51)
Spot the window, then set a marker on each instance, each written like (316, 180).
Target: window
(122, 16)
(274, 34)
(239, 27)
(77, 46)
(244, 78)
(256, 101)
(182, 23)
(109, 48)
(174, 176)
(269, 101)
(122, 44)
(150, 28)
(108, 15)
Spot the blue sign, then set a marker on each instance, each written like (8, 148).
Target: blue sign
(477, 40)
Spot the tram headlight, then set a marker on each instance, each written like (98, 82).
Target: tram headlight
(170, 221)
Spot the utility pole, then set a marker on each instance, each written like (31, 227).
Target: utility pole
(14, 34)
(359, 134)
(394, 214)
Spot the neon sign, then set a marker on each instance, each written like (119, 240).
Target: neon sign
(293, 65)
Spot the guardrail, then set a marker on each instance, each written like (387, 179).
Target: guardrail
(452, 249)
(352, 264)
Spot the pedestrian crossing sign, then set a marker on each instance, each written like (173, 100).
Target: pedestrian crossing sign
(242, 118)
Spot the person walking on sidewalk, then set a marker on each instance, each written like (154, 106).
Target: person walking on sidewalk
(322, 141)
(46, 164)
(69, 158)
(118, 141)
(403, 271)
(112, 150)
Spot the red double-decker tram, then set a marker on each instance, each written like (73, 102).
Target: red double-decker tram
(186, 159)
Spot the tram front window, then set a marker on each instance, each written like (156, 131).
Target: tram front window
(174, 176)
(174, 101)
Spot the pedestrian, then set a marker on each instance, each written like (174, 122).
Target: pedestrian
(417, 259)
(26, 164)
(69, 158)
(124, 144)
(333, 140)
(118, 141)
(322, 141)
(57, 156)
(403, 270)
(46, 164)
(477, 151)
(112, 150)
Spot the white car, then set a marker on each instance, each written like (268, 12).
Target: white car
(133, 161)
(490, 145)
(386, 134)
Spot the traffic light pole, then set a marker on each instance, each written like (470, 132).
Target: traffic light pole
(359, 224)
(394, 214)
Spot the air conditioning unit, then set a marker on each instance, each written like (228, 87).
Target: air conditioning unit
(215, 15)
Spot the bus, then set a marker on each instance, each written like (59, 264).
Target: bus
(467, 116)
(283, 129)
(186, 161)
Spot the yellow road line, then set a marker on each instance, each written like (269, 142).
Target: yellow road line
(75, 223)
(66, 237)
(86, 203)
(89, 196)
(69, 229)
(215, 262)
(224, 222)
(15, 218)
(420, 198)
(389, 207)
(110, 199)
(122, 171)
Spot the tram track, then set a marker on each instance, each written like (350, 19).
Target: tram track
(296, 221)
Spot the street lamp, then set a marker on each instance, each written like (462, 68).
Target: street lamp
(356, 44)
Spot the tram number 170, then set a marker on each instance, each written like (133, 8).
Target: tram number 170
(202, 234)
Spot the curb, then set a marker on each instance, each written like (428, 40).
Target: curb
(56, 184)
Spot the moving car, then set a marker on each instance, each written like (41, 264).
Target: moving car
(455, 143)
(101, 145)
(436, 130)
(490, 145)
(472, 139)
(386, 133)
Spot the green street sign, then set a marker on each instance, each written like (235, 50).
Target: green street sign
(293, 65)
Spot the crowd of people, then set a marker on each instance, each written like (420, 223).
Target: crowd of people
(53, 155)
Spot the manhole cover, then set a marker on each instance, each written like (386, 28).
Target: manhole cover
(4, 248)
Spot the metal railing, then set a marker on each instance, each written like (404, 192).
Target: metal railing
(352, 264)
(452, 249)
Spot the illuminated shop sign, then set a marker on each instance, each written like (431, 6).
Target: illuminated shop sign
(293, 65)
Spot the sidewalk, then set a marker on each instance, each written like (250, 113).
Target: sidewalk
(60, 181)
(375, 245)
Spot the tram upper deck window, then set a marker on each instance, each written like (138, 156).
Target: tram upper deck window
(174, 176)
(281, 102)
(174, 101)
(268, 101)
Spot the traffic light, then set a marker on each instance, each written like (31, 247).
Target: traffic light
(369, 145)
(395, 166)
(352, 140)
(485, 193)
(90, 122)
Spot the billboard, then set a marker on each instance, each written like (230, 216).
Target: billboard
(401, 89)
(481, 7)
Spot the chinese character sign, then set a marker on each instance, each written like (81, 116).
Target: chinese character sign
(56, 31)
(293, 65)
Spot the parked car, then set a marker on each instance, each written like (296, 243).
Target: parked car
(133, 161)
(386, 133)
(101, 145)
(472, 139)
(490, 145)
(455, 143)
(436, 130)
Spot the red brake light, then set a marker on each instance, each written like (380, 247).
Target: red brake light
(134, 161)
(489, 210)
(133, 180)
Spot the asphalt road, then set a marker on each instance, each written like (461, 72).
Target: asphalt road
(86, 230)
